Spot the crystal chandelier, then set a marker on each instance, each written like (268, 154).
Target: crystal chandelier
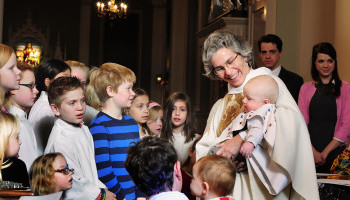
(111, 9)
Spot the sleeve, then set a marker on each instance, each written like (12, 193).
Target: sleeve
(82, 187)
(255, 130)
(103, 162)
(342, 130)
(303, 103)
(28, 152)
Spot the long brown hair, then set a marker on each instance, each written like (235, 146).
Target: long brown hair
(167, 130)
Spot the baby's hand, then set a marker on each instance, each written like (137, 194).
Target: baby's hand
(247, 149)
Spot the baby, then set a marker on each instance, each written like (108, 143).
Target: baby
(260, 95)
(213, 178)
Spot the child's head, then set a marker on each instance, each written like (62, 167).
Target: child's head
(178, 114)
(48, 71)
(258, 91)
(50, 174)
(109, 77)
(25, 96)
(155, 119)
(139, 106)
(9, 140)
(213, 175)
(153, 166)
(9, 73)
(79, 70)
(67, 99)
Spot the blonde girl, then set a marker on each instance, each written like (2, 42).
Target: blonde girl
(9, 73)
(139, 110)
(155, 119)
(178, 127)
(50, 174)
(11, 168)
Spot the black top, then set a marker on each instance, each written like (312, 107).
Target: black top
(323, 118)
(16, 172)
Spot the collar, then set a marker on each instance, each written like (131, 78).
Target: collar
(17, 111)
(277, 71)
(252, 73)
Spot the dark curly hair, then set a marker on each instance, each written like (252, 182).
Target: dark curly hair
(150, 163)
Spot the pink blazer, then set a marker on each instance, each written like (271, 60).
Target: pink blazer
(342, 127)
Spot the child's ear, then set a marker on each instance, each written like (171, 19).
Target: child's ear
(55, 110)
(205, 188)
(109, 91)
(266, 101)
(47, 82)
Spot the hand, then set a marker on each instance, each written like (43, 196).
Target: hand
(240, 167)
(247, 149)
(110, 195)
(319, 160)
(230, 148)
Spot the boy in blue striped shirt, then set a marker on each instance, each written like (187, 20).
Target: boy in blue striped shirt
(112, 131)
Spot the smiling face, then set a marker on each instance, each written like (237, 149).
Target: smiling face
(10, 75)
(62, 181)
(179, 114)
(139, 109)
(325, 66)
(72, 107)
(235, 67)
(155, 125)
(270, 55)
(25, 96)
(13, 146)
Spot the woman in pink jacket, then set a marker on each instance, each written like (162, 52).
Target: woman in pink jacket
(325, 105)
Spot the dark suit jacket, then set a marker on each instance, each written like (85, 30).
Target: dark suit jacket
(293, 82)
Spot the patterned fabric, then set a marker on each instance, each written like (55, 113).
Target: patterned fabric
(112, 139)
(341, 164)
(233, 106)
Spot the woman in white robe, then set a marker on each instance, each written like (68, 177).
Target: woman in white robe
(289, 168)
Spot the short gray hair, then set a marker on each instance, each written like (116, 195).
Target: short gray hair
(220, 39)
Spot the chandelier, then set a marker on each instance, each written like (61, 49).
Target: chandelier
(111, 9)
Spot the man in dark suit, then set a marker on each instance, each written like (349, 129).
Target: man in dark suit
(270, 51)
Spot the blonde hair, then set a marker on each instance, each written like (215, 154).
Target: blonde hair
(219, 172)
(5, 54)
(41, 174)
(153, 115)
(9, 127)
(78, 65)
(265, 86)
(110, 74)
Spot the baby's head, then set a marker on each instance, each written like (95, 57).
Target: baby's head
(67, 99)
(50, 174)
(213, 176)
(259, 91)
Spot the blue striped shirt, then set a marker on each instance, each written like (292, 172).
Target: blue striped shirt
(112, 138)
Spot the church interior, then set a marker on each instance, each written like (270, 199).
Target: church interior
(161, 40)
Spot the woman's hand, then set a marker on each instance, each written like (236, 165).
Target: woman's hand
(230, 148)
(329, 148)
(319, 160)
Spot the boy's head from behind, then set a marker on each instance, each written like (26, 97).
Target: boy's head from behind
(67, 99)
(213, 176)
(153, 166)
(258, 91)
(110, 75)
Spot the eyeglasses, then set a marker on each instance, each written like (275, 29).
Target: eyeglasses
(221, 69)
(65, 171)
(31, 86)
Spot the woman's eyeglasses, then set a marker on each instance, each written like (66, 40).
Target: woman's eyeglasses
(31, 86)
(221, 69)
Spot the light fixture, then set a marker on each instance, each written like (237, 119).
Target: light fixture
(111, 9)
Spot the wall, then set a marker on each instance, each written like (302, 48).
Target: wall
(342, 39)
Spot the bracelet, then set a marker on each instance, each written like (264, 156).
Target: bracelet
(103, 194)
